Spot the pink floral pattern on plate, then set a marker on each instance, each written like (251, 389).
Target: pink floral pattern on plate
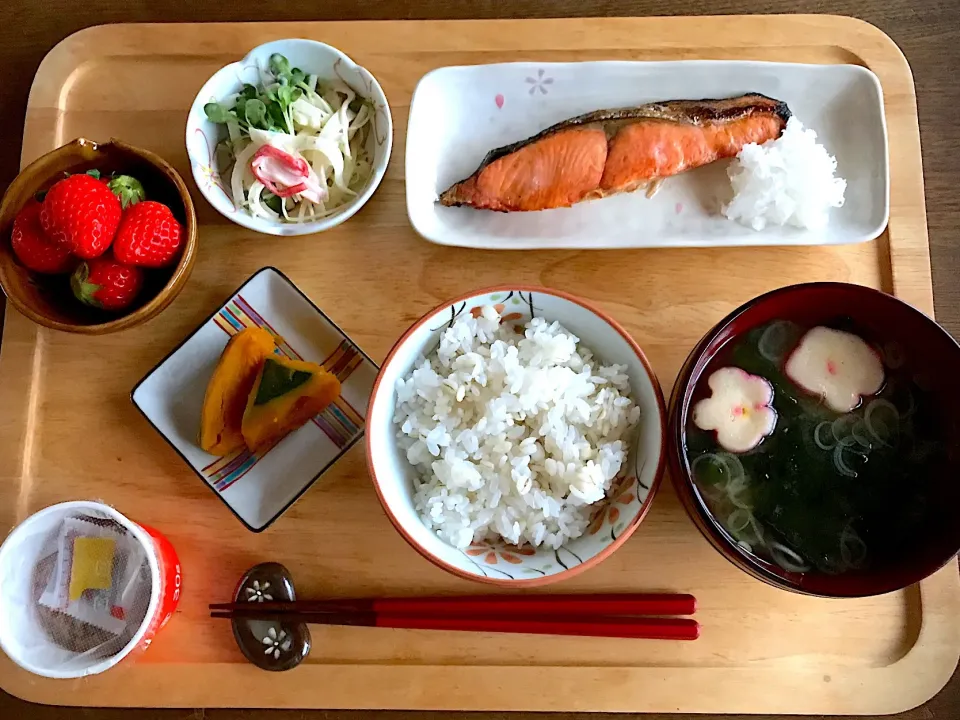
(208, 170)
(539, 83)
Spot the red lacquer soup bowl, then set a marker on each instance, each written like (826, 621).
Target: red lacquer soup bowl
(908, 528)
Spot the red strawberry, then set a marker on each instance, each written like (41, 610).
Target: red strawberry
(33, 248)
(81, 214)
(149, 235)
(128, 189)
(104, 283)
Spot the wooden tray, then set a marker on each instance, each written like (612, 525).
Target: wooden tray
(68, 429)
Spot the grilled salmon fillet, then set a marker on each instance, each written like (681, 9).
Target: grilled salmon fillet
(613, 151)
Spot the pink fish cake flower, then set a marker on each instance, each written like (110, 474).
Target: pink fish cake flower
(838, 366)
(739, 409)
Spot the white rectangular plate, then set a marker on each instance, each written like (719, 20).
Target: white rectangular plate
(258, 487)
(458, 114)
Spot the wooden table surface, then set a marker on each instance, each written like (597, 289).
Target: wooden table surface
(928, 31)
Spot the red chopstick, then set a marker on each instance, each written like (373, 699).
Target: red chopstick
(509, 606)
(624, 616)
(612, 626)
(618, 627)
(500, 605)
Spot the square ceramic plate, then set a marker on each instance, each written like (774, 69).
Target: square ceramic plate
(258, 488)
(458, 114)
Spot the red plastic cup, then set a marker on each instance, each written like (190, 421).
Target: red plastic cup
(28, 544)
(171, 580)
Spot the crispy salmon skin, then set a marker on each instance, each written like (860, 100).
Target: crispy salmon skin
(613, 151)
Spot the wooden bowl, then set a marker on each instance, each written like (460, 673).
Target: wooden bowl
(925, 348)
(47, 299)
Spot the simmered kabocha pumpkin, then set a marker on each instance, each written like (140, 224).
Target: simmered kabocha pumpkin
(229, 389)
(286, 394)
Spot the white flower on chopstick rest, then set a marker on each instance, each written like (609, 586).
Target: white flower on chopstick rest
(739, 409)
(276, 643)
(258, 593)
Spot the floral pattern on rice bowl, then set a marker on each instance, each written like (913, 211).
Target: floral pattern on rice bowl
(608, 514)
(608, 521)
(625, 504)
(507, 553)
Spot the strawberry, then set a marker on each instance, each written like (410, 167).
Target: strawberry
(33, 248)
(104, 283)
(149, 235)
(81, 214)
(128, 189)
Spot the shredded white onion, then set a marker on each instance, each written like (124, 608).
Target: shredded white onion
(326, 133)
(256, 206)
(242, 179)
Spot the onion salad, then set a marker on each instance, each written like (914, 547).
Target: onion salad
(296, 146)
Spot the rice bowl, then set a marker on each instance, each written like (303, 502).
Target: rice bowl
(515, 435)
(625, 454)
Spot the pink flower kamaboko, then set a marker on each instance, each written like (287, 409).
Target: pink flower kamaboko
(286, 175)
(739, 409)
(838, 366)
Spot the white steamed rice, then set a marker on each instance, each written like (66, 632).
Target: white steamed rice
(512, 435)
(787, 181)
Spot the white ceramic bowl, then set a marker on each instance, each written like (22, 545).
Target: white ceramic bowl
(614, 519)
(312, 57)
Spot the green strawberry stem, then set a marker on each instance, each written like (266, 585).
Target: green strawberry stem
(83, 290)
(128, 189)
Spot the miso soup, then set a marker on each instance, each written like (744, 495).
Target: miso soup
(815, 448)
